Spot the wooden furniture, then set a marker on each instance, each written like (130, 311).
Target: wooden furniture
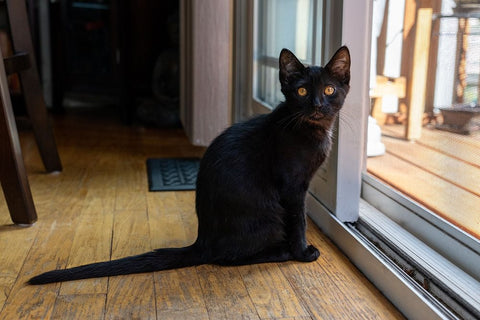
(12, 171)
(386, 86)
(418, 63)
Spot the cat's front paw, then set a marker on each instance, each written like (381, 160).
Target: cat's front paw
(309, 254)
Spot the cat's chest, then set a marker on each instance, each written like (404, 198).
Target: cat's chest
(307, 147)
(301, 159)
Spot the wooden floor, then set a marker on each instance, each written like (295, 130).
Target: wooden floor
(99, 208)
(440, 171)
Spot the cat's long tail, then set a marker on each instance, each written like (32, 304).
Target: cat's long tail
(160, 259)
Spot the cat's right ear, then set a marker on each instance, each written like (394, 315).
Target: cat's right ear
(289, 65)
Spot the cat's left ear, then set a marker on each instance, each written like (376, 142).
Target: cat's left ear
(289, 65)
(339, 65)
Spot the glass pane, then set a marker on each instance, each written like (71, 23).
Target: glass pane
(426, 142)
(268, 89)
(280, 24)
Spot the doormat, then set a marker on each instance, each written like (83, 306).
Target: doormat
(172, 174)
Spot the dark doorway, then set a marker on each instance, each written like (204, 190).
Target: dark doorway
(118, 53)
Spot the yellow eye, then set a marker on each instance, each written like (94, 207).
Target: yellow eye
(329, 90)
(302, 91)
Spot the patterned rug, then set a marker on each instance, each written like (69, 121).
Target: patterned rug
(172, 174)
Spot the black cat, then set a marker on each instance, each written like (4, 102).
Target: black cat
(252, 181)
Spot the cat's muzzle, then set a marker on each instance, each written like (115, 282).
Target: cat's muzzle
(317, 116)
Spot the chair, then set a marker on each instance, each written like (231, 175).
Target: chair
(13, 176)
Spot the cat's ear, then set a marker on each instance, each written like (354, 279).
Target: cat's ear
(289, 65)
(339, 65)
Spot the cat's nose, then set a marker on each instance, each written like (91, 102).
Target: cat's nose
(323, 109)
(319, 107)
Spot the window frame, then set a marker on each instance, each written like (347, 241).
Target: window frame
(340, 177)
(256, 106)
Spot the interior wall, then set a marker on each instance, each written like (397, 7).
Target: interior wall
(206, 33)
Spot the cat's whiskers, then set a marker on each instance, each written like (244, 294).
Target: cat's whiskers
(346, 120)
(299, 121)
(293, 118)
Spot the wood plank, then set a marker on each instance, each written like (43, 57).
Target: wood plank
(166, 222)
(66, 187)
(425, 188)
(225, 294)
(295, 318)
(84, 306)
(178, 292)
(131, 185)
(92, 243)
(4, 216)
(131, 296)
(15, 243)
(418, 81)
(460, 174)
(271, 294)
(463, 148)
(179, 295)
(50, 251)
(186, 205)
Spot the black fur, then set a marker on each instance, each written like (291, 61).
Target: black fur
(252, 181)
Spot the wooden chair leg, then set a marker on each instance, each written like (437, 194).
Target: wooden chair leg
(32, 91)
(13, 176)
(41, 126)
